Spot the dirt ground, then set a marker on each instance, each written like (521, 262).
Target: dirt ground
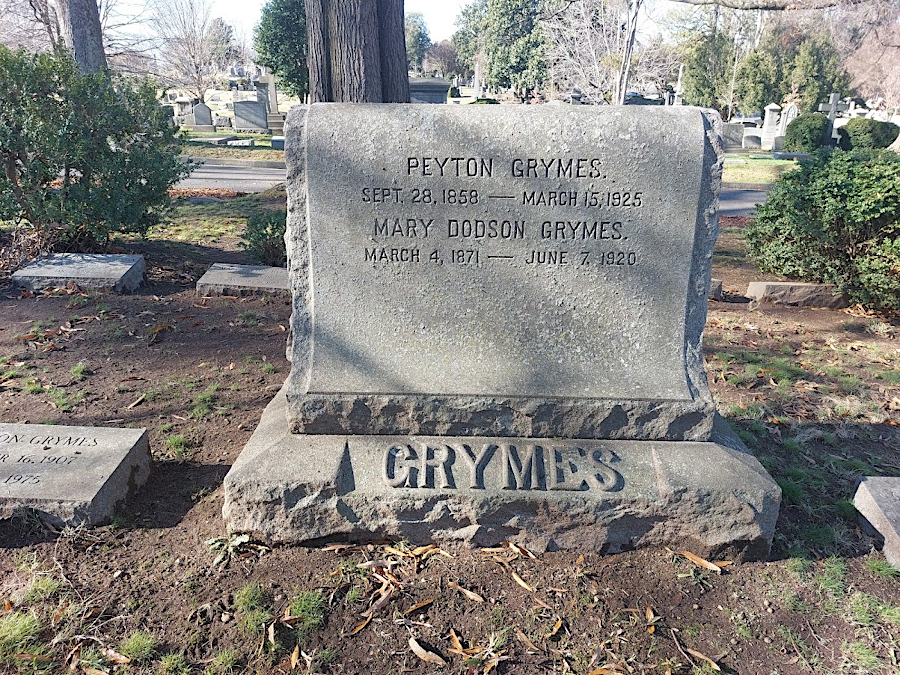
(814, 393)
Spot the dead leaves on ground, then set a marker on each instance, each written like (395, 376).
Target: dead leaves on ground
(388, 571)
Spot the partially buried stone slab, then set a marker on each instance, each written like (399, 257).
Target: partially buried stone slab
(70, 475)
(606, 496)
(501, 270)
(796, 294)
(228, 279)
(89, 271)
(878, 500)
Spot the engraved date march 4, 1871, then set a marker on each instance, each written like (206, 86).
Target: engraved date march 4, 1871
(507, 466)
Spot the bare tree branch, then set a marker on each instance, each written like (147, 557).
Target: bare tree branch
(775, 5)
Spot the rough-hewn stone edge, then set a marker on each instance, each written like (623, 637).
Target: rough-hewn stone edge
(132, 472)
(207, 289)
(705, 234)
(281, 494)
(797, 294)
(866, 503)
(396, 415)
(299, 249)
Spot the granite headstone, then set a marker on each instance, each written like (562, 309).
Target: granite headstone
(250, 115)
(503, 342)
(202, 115)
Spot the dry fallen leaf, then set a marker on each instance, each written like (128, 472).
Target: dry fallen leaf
(703, 657)
(540, 602)
(555, 631)
(424, 654)
(417, 607)
(521, 550)
(519, 580)
(93, 671)
(466, 592)
(697, 560)
(525, 641)
(115, 656)
(454, 640)
(295, 657)
(362, 625)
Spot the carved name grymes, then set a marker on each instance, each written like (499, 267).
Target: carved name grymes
(509, 466)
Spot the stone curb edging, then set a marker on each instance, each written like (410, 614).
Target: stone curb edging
(764, 187)
(227, 161)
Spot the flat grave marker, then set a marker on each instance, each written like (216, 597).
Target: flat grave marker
(229, 279)
(70, 475)
(90, 271)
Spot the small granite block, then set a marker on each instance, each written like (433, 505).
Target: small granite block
(227, 279)
(878, 500)
(605, 496)
(70, 475)
(90, 271)
(715, 289)
(796, 294)
(278, 142)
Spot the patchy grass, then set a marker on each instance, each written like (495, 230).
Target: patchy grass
(748, 170)
(140, 647)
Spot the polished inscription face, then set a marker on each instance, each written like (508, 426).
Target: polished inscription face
(520, 253)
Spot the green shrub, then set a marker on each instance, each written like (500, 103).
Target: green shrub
(264, 238)
(85, 153)
(836, 219)
(860, 133)
(806, 133)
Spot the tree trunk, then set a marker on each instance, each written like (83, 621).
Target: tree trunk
(392, 47)
(634, 8)
(357, 51)
(81, 33)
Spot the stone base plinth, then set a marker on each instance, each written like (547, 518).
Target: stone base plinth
(606, 496)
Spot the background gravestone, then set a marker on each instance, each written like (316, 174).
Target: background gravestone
(250, 115)
(503, 342)
(202, 115)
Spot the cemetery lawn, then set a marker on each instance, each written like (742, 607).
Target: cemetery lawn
(163, 589)
(262, 150)
(747, 169)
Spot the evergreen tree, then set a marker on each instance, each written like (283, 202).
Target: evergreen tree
(417, 40)
(281, 44)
